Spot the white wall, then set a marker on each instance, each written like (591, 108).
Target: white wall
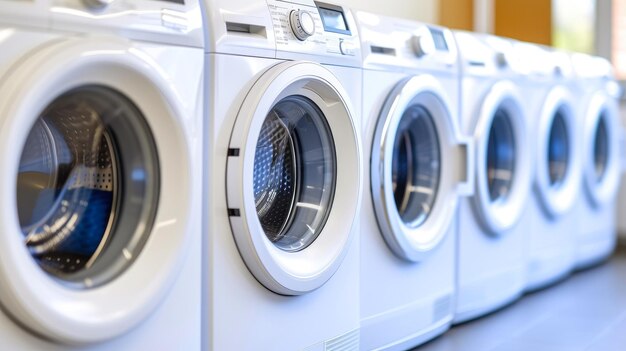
(420, 10)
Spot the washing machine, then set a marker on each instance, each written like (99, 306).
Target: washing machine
(284, 185)
(601, 136)
(100, 151)
(419, 166)
(493, 224)
(547, 88)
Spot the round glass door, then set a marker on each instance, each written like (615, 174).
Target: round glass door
(503, 169)
(500, 157)
(558, 151)
(414, 171)
(293, 177)
(559, 164)
(602, 166)
(600, 149)
(415, 166)
(294, 173)
(87, 186)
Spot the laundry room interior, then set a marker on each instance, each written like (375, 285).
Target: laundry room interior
(332, 175)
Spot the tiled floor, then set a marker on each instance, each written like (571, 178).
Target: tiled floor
(585, 312)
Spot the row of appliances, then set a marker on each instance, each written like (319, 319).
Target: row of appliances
(237, 175)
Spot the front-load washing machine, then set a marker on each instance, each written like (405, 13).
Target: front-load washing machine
(100, 151)
(419, 165)
(284, 176)
(493, 227)
(556, 146)
(601, 137)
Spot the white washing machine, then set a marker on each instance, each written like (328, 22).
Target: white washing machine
(601, 137)
(493, 224)
(419, 165)
(100, 151)
(547, 89)
(284, 189)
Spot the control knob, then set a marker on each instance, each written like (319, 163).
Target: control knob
(302, 24)
(501, 59)
(423, 45)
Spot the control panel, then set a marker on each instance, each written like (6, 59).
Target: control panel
(484, 55)
(166, 21)
(535, 62)
(562, 65)
(503, 51)
(313, 28)
(407, 45)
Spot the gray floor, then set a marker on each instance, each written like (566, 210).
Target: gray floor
(585, 312)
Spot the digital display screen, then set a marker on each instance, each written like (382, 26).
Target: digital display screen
(333, 20)
(439, 39)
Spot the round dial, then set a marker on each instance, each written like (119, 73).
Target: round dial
(423, 45)
(302, 24)
(501, 59)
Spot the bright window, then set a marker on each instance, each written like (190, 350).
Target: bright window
(573, 23)
(618, 44)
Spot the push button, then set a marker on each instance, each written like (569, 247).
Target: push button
(346, 48)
